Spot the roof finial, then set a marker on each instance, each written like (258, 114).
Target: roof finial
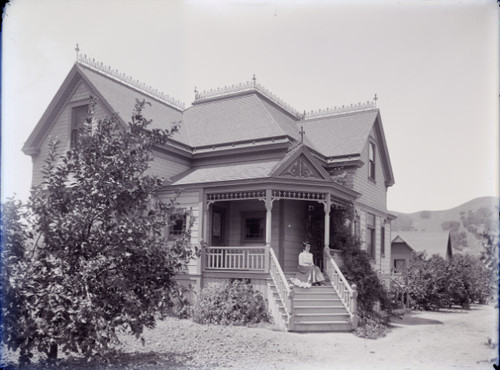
(302, 132)
(254, 80)
(195, 92)
(77, 49)
(375, 98)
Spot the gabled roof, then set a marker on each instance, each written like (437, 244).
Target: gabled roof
(342, 134)
(299, 162)
(345, 136)
(121, 98)
(115, 95)
(234, 117)
(423, 241)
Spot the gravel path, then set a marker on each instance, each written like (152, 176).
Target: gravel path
(448, 339)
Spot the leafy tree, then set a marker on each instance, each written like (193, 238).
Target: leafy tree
(435, 283)
(103, 260)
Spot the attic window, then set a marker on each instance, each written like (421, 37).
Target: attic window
(371, 161)
(78, 116)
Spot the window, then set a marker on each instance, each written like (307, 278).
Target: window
(78, 116)
(370, 235)
(382, 241)
(371, 161)
(254, 227)
(177, 225)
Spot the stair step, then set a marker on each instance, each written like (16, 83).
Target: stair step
(320, 309)
(320, 317)
(316, 302)
(323, 326)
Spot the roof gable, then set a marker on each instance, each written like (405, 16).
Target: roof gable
(429, 242)
(299, 162)
(114, 95)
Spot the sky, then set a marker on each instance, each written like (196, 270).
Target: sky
(433, 65)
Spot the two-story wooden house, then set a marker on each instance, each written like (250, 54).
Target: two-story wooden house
(250, 168)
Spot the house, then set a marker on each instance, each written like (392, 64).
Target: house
(253, 171)
(405, 243)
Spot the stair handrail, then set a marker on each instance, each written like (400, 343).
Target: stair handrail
(279, 280)
(347, 294)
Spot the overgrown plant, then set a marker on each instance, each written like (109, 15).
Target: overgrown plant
(100, 259)
(231, 303)
(357, 270)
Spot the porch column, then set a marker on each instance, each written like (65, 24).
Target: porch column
(205, 235)
(269, 209)
(326, 250)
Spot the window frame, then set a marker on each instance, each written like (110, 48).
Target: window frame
(75, 125)
(371, 234)
(177, 216)
(261, 216)
(382, 241)
(371, 160)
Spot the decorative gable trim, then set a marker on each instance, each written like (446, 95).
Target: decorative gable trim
(301, 164)
(301, 168)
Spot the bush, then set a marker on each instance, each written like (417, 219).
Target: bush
(371, 325)
(232, 303)
(436, 283)
(357, 270)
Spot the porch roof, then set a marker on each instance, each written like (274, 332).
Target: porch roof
(240, 171)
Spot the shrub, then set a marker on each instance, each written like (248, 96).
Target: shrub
(357, 270)
(371, 325)
(434, 282)
(231, 303)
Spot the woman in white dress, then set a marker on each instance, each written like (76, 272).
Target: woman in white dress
(307, 271)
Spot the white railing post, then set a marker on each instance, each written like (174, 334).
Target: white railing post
(347, 295)
(269, 214)
(281, 284)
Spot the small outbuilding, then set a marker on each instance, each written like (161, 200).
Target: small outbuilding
(405, 243)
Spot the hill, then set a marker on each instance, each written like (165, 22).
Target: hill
(465, 222)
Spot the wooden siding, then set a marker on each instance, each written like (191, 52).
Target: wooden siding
(236, 209)
(381, 263)
(400, 251)
(61, 129)
(190, 200)
(373, 193)
(166, 166)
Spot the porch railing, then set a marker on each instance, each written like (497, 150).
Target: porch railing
(284, 292)
(243, 258)
(347, 294)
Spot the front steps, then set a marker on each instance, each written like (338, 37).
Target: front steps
(316, 309)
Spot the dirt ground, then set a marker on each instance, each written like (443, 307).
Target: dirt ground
(448, 339)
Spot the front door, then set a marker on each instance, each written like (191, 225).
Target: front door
(218, 226)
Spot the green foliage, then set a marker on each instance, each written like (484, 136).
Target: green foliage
(435, 283)
(231, 303)
(100, 260)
